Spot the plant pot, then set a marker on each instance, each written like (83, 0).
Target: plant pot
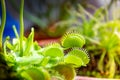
(43, 42)
(91, 78)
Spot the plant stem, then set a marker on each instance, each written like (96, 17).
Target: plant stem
(2, 22)
(101, 61)
(21, 27)
(106, 12)
(112, 65)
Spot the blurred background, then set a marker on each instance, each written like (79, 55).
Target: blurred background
(43, 15)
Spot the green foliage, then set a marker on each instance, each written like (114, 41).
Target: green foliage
(110, 41)
(103, 41)
(49, 57)
(29, 61)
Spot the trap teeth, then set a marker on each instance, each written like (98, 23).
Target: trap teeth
(53, 44)
(72, 39)
(80, 53)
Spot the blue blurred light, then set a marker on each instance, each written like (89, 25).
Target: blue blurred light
(10, 21)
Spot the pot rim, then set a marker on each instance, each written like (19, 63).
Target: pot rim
(92, 78)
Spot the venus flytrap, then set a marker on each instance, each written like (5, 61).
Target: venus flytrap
(79, 54)
(52, 57)
(68, 38)
(32, 62)
(75, 41)
(67, 70)
(52, 48)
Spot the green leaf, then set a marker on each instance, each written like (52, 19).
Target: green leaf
(53, 50)
(45, 61)
(78, 57)
(66, 70)
(25, 60)
(72, 40)
(29, 43)
(101, 61)
(36, 74)
(74, 60)
(9, 45)
(15, 31)
(36, 46)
